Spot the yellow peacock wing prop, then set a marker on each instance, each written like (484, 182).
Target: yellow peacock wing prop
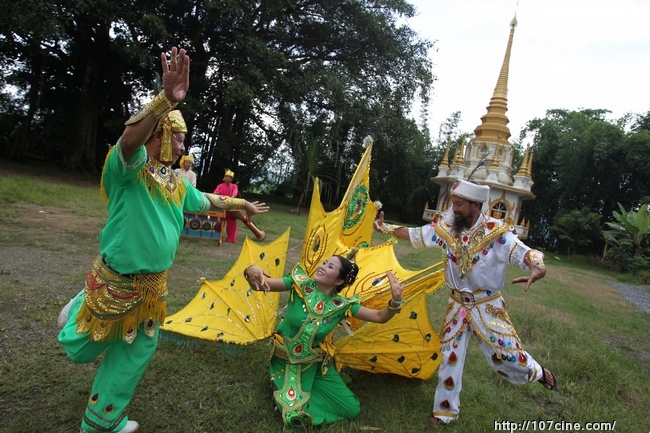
(373, 346)
(346, 227)
(407, 345)
(228, 310)
(373, 285)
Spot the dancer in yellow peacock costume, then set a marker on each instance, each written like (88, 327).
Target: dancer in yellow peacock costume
(230, 311)
(308, 391)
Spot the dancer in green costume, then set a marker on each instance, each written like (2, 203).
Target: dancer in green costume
(308, 392)
(119, 311)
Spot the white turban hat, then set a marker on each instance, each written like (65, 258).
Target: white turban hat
(470, 191)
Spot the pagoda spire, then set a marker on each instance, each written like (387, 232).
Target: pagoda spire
(523, 169)
(445, 159)
(529, 167)
(460, 152)
(493, 127)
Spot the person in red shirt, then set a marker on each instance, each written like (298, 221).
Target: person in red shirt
(231, 190)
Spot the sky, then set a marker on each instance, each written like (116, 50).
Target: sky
(566, 54)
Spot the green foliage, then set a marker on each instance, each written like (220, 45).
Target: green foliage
(260, 71)
(629, 235)
(641, 122)
(578, 232)
(311, 164)
(401, 171)
(583, 161)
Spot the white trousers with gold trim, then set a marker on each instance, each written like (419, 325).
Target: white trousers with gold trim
(485, 315)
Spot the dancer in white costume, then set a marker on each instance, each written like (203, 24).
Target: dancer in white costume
(478, 250)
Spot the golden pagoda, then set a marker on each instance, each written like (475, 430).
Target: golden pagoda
(507, 191)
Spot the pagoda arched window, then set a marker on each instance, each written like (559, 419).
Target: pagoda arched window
(499, 210)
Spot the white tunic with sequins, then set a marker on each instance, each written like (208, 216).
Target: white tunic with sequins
(476, 259)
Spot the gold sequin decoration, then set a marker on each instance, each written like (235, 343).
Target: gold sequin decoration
(115, 305)
(476, 241)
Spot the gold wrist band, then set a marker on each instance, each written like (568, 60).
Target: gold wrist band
(393, 309)
(237, 203)
(159, 107)
(536, 258)
(390, 228)
(225, 202)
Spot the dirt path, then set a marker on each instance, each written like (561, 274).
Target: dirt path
(637, 295)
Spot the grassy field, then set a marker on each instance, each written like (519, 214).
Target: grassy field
(572, 322)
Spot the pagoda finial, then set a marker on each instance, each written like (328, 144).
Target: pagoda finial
(445, 159)
(529, 167)
(523, 168)
(460, 153)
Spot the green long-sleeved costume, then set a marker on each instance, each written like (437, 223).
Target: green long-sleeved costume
(308, 392)
(124, 297)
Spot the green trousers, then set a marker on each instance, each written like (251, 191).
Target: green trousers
(118, 375)
(330, 398)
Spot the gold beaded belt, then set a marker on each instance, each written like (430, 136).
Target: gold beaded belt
(470, 299)
(115, 304)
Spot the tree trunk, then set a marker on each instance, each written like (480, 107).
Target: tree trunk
(35, 90)
(84, 153)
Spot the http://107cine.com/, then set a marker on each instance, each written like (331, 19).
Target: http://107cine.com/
(550, 425)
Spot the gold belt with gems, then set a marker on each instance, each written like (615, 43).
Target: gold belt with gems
(115, 304)
(470, 299)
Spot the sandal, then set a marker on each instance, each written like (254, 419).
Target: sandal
(435, 422)
(548, 380)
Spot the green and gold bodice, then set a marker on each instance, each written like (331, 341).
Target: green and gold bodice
(311, 316)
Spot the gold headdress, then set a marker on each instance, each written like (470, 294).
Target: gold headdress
(184, 158)
(229, 173)
(168, 124)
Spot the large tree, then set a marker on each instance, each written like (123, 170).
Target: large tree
(264, 73)
(30, 34)
(73, 80)
(283, 74)
(582, 161)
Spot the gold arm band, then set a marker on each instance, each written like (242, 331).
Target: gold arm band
(536, 258)
(159, 106)
(225, 202)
